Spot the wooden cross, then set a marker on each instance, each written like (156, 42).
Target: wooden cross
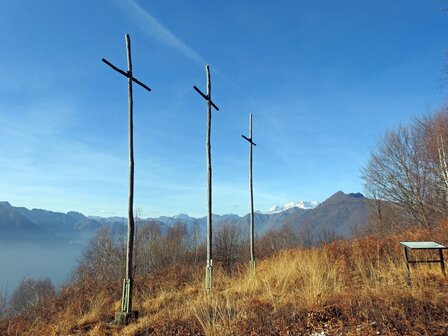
(251, 230)
(126, 312)
(208, 98)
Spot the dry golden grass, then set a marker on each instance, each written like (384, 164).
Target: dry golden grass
(353, 287)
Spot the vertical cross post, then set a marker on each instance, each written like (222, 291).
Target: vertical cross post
(127, 302)
(251, 189)
(208, 98)
(126, 311)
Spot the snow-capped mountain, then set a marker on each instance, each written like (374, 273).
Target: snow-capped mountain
(306, 205)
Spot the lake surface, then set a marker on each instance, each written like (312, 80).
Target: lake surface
(54, 259)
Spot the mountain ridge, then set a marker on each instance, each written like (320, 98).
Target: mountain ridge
(338, 213)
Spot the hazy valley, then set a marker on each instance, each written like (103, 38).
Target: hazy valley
(40, 243)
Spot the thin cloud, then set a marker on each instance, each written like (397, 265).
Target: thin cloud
(153, 28)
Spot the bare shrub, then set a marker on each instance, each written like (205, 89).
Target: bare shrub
(385, 218)
(148, 247)
(326, 235)
(306, 235)
(228, 245)
(103, 259)
(176, 247)
(3, 300)
(155, 246)
(155, 249)
(30, 294)
(276, 240)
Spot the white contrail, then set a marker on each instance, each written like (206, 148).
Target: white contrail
(152, 27)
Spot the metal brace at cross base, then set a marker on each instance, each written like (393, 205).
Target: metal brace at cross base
(126, 295)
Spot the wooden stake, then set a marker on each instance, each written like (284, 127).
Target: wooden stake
(251, 190)
(130, 241)
(252, 254)
(210, 104)
(126, 312)
(209, 275)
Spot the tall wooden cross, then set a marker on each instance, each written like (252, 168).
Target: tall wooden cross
(251, 230)
(126, 312)
(208, 98)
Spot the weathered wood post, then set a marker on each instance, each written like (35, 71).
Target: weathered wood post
(127, 302)
(126, 313)
(208, 98)
(251, 189)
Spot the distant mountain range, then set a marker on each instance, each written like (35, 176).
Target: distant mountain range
(21, 222)
(339, 214)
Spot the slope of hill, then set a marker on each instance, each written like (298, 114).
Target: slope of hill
(347, 288)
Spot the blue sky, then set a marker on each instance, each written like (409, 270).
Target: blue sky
(323, 79)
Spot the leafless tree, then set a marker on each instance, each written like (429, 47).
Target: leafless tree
(176, 244)
(384, 218)
(29, 294)
(103, 259)
(326, 235)
(158, 246)
(148, 242)
(409, 167)
(276, 240)
(398, 171)
(306, 235)
(228, 243)
(3, 300)
(196, 241)
(434, 130)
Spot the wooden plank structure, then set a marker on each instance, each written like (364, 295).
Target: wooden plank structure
(427, 246)
(251, 190)
(208, 98)
(126, 313)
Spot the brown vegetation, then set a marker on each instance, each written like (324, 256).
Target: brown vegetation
(353, 287)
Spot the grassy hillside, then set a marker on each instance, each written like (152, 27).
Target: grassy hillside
(355, 287)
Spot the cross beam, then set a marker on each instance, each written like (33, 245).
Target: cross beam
(250, 140)
(126, 74)
(206, 97)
